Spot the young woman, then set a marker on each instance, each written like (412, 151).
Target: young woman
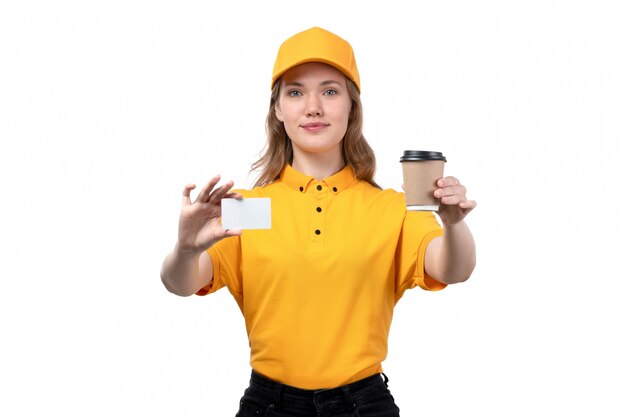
(318, 289)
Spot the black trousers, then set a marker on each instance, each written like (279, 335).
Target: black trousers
(368, 397)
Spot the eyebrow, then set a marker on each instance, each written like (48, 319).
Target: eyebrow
(323, 83)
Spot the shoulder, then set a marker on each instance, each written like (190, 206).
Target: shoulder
(388, 195)
(384, 203)
(257, 192)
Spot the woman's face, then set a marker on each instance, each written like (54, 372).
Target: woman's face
(314, 106)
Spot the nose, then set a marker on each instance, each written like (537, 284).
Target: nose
(314, 106)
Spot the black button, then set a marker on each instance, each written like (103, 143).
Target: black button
(319, 209)
(301, 188)
(335, 189)
(317, 232)
(319, 188)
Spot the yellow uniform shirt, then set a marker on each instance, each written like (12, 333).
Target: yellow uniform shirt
(318, 289)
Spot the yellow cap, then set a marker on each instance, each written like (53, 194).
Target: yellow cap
(316, 45)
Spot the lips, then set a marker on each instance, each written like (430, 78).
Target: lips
(313, 126)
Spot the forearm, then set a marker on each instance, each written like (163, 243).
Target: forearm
(453, 257)
(180, 272)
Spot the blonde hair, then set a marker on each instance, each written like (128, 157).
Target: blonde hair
(278, 152)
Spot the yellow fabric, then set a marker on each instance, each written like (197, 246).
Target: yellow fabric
(318, 307)
(316, 45)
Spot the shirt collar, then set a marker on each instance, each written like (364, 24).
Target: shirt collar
(301, 183)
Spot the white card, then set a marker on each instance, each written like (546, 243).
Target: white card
(248, 213)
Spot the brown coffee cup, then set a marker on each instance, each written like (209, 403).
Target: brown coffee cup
(420, 171)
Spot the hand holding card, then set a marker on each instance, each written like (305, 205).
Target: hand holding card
(247, 213)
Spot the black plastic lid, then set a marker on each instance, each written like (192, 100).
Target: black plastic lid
(410, 156)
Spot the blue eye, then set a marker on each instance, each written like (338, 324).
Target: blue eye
(294, 93)
(330, 92)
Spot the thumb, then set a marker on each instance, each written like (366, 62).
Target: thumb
(232, 232)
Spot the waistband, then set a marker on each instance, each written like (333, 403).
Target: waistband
(354, 389)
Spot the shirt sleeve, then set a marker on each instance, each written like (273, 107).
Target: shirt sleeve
(226, 258)
(418, 229)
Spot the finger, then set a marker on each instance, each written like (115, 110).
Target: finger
(447, 182)
(232, 232)
(460, 201)
(453, 200)
(451, 190)
(233, 195)
(467, 204)
(187, 194)
(220, 192)
(205, 193)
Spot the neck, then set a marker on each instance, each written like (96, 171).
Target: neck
(318, 165)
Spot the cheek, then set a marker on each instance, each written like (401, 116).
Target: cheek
(347, 109)
(278, 113)
(346, 113)
(287, 113)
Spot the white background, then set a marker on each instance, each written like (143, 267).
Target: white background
(108, 108)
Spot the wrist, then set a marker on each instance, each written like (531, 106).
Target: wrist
(187, 251)
(453, 225)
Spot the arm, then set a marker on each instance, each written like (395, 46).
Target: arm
(188, 267)
(451, 258)
(184, 273)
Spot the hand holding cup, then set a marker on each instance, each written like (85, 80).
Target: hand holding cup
(454, 205)
(426, 189)
(420, 171)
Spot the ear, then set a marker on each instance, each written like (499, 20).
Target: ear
(278, 112)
